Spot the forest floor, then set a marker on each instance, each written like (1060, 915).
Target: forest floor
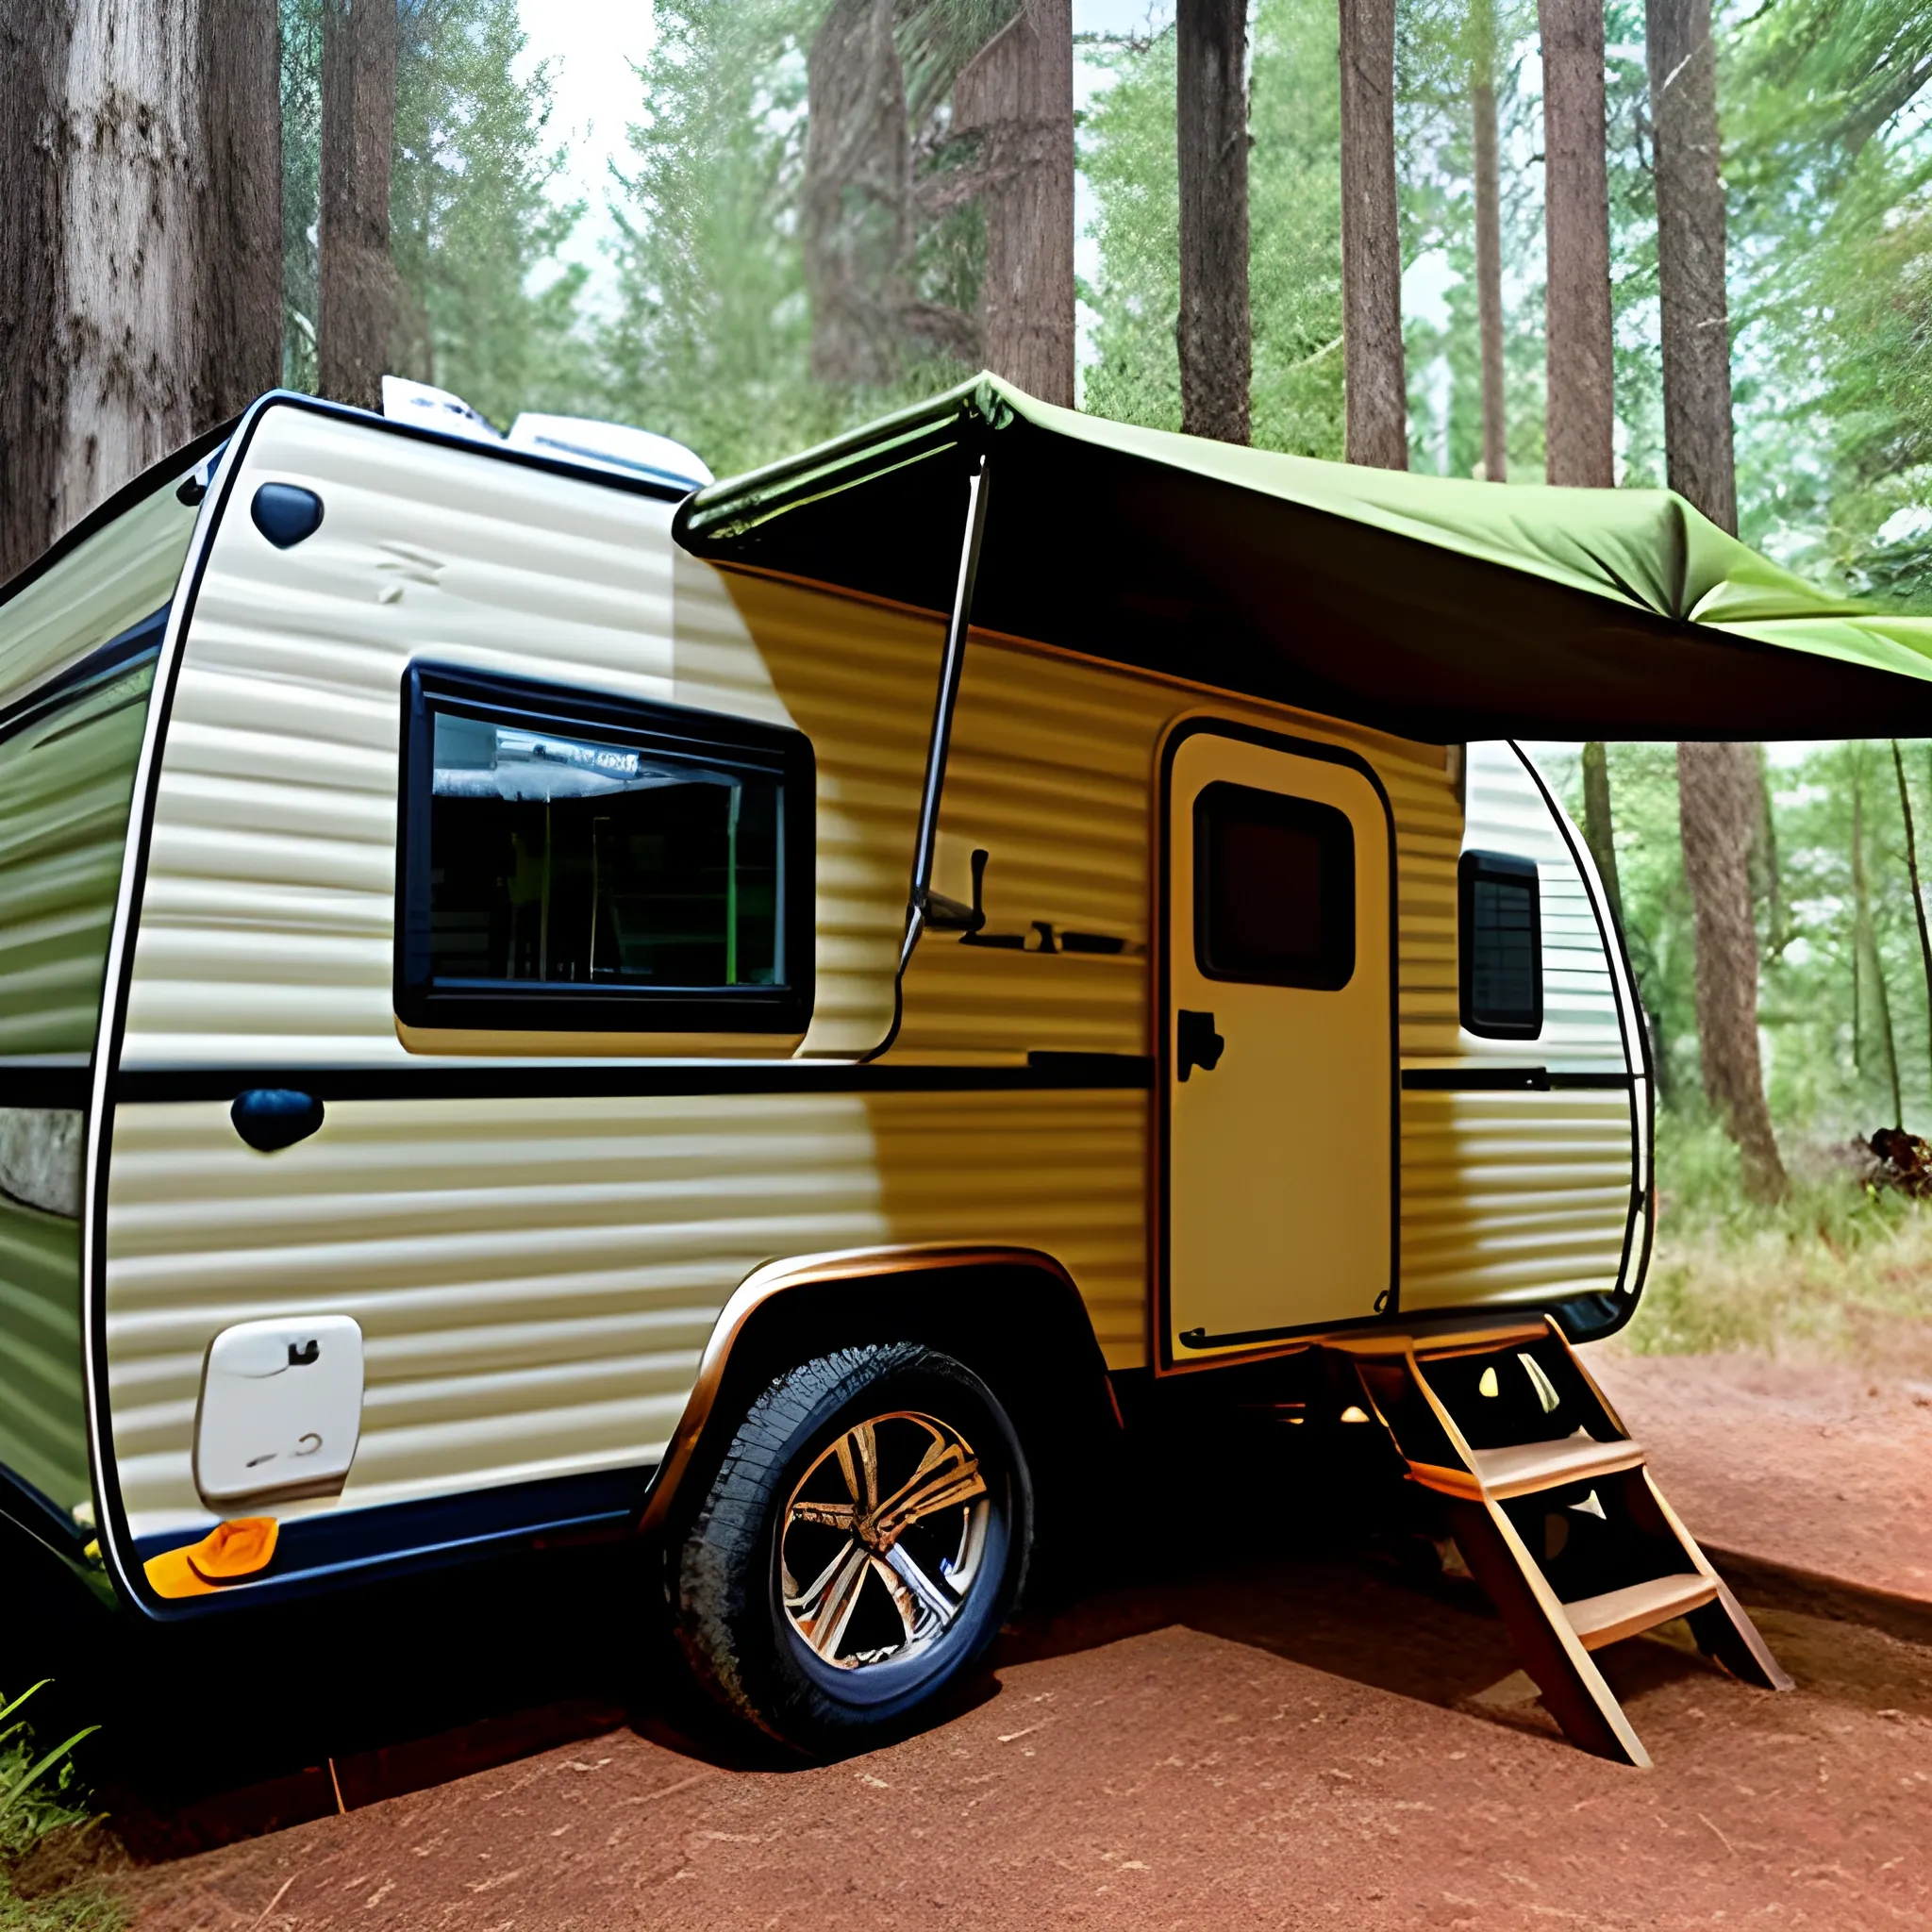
(1264, 1723)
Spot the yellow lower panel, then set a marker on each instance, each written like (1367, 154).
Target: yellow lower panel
(536, 1279)
(1512, 1197)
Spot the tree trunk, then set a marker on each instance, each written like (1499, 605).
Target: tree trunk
(1489, 239)
(1905, 806)
(1211, 118)
(1598, 830)
(1866, 964)
(1579, 436)
(1690, 257)
(1716, 805)
(358, 121)
(1376, 394)
(134, 287)
(856, 209)
(241, 228)
(1017, 95)
(35, 36)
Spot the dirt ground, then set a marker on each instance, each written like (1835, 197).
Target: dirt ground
(1272, 1730)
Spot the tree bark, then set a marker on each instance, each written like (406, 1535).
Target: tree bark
(1017, 95)
(1866, 964)
(1905, 806)
(35, 36)
(1580, 426)
(1690, 257)
(856, 209)
(358, 301)
(241, 229)
(134, 281)
(1211, 122)
(1376, 394)
(1599, 832)
(1489, 239)
(1717, 786)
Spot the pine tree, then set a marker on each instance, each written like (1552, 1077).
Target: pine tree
(1580, 435)
(356, 306)
(1016, 95)
(1377, 392)
(1214, 331)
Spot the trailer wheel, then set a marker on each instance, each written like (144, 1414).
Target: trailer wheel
(861, 1544)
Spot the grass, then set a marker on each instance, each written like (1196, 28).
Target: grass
(1835, 1271)
(48, 1877)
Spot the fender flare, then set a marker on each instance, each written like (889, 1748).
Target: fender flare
(845, 1266)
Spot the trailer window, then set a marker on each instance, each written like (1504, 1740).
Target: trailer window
(580, 862)
(1273, 888)
(1502, 951)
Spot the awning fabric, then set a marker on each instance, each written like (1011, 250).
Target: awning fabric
(1435, 607)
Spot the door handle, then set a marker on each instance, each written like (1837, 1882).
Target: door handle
(1195, 1043)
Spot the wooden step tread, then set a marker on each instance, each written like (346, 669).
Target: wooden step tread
(1620, 1614)
(1521, 1467)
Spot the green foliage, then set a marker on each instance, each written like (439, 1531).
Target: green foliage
(1830, 175)
(40, 1795)
(1128, 155)
(712, 339)
(484, 308)
(1836, 1269)
(487, 310)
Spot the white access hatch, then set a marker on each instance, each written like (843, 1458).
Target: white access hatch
(281, 1408)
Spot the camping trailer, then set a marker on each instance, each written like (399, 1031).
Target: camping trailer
(537, 998)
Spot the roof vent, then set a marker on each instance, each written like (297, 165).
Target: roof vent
(434, 409)
(609, 446)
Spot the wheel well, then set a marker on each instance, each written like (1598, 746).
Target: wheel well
(1017, 1323)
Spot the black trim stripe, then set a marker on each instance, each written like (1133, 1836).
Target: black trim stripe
(493, 1080)
(1506, 1080)
(60, 1080)
(101, 665)
(319, 1552)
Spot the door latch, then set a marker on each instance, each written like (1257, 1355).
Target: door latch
(1195, 1043)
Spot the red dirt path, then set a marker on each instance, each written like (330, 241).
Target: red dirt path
(1279, 1742)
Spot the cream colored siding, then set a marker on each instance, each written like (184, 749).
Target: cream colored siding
(1581, 1030)
(1511, 1197)
(1054, 771)
(1524, 1196)
(536, 1279)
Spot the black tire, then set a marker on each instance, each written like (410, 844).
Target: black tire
(751, 1645)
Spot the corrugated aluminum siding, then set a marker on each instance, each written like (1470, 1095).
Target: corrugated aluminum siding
(537, 1279)
(1525, 1196)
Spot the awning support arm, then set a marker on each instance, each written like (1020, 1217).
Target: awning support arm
(944, 705)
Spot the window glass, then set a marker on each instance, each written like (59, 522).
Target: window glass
(1273, 888)
(1502, 946)
(577, 860)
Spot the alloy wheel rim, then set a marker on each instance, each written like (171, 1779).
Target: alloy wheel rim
(883, 1540)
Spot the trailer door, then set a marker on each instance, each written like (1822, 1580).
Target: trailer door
(1278, 1066)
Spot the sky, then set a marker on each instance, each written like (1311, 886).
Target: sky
(594, 47)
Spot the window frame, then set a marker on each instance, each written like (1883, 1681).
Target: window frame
(1498, 868)
(711, 739)
(1284, 808)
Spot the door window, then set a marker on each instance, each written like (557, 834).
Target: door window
(1273, 888)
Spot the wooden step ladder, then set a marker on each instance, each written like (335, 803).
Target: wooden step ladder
(1551, 1505)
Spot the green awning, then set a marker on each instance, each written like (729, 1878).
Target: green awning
(1436, 607)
